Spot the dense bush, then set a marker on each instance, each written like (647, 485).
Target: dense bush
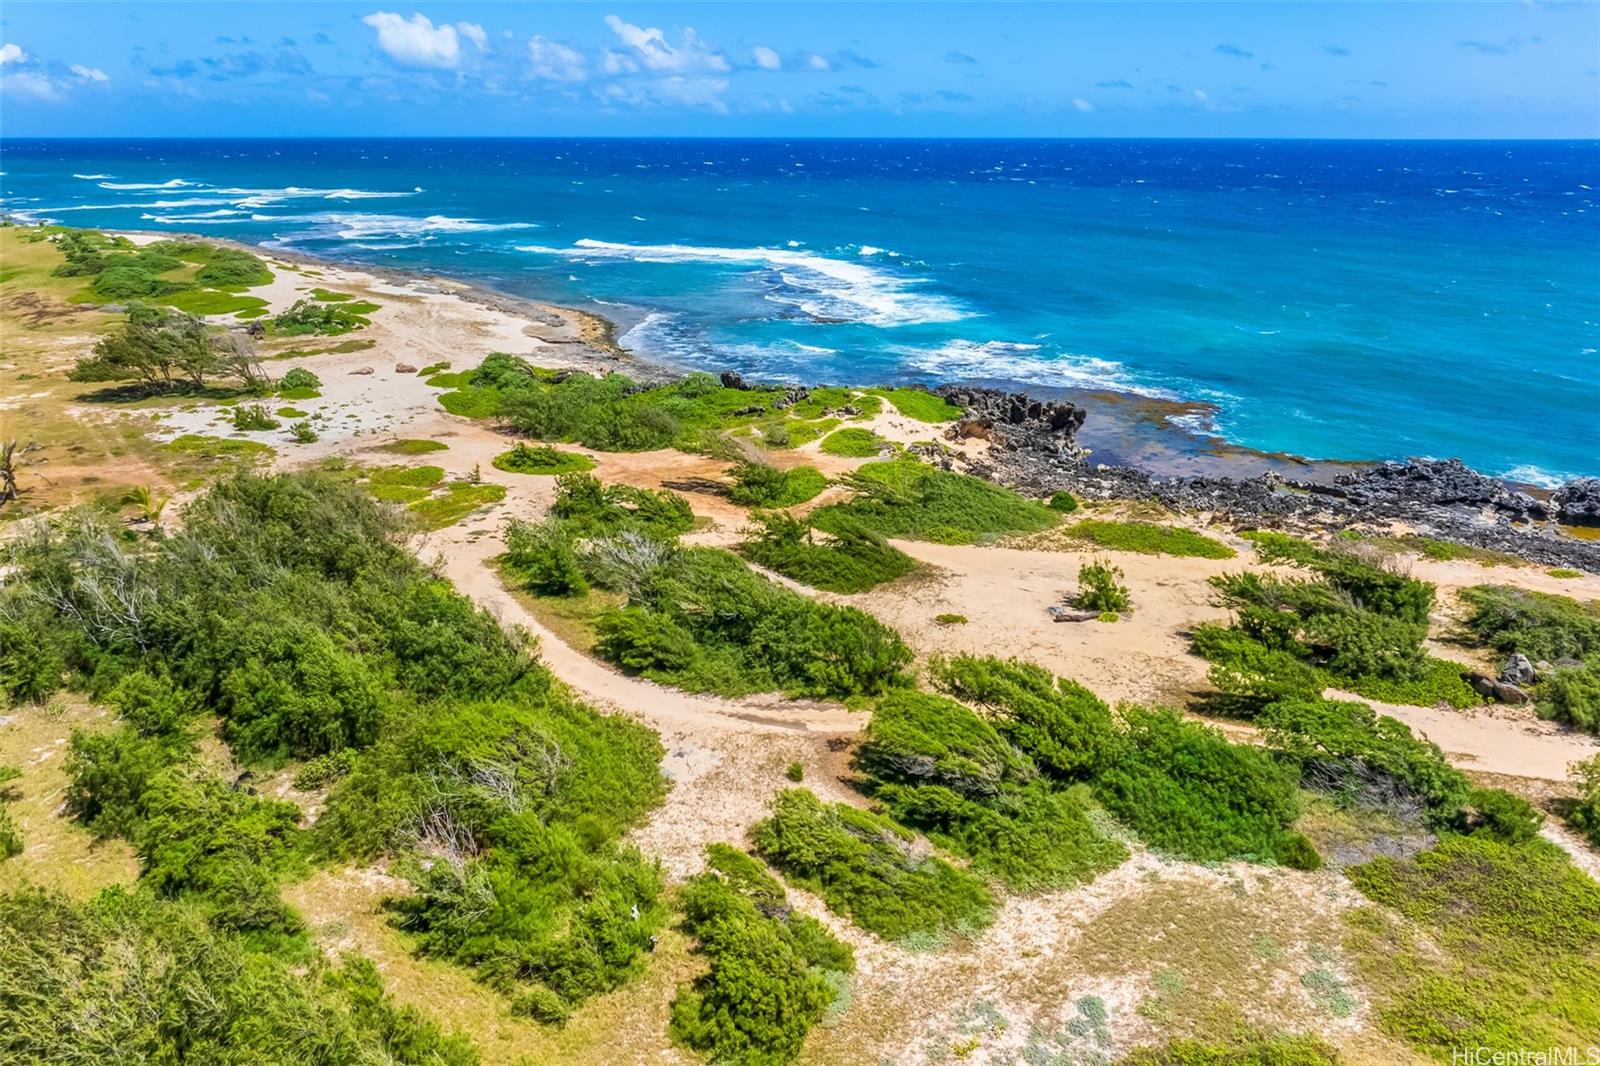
(908, 498)
(852, 559)
(1540, 625)
(769, 980)
(131, 978)
(1572, 695)
(543, 558)
(1504, 952)
(231, 268)
(867, 869)
(762, 485)
(156, 349)
(249, 417)
(591, 508)
(1364, 760)
(1181, 786)
(328, 320)
(1184, 788)
(700, 619)
(1355, 624)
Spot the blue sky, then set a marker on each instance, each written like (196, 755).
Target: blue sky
(757, 69)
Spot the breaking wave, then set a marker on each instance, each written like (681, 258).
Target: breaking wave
(823, 289)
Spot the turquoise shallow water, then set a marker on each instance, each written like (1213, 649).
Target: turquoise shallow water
(1329, 299)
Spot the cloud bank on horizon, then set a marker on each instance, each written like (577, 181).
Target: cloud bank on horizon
(792, 69)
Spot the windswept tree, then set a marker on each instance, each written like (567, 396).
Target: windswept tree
(156, 348)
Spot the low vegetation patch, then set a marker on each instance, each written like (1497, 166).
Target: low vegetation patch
(458, 500)
(1540, 625)
(854, 442)
(867, 869)
(412, 446)
(774, 973)
(540, 460)
(1500, 946)
(1149, 539)
(327, 320)
(907, 498)
(1583, 814)
(1062, 502)
(920, 404)
(1100, 588)
(852, 559)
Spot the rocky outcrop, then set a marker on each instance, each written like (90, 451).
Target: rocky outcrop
(1435, 483)
(1518, 671)
(1578, 501)
(1015, 420)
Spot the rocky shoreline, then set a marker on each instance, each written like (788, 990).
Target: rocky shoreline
(1033, 449)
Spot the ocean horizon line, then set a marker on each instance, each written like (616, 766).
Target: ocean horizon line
(812, 139)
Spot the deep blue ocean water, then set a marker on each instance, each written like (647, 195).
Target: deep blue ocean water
(1330, 299)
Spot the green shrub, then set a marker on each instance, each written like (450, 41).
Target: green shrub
(142, 979)
(795, 772)
(303, 433)
(1499, 814)
(853, 442)
(1185, 789)
(907, 498)
(936, 766)
(544, 558)
(1505, 951)
(299, 378)
(1572, 695)
(761, 485)
(852, 559)
(1540, 625)
(1100, 589)
(1149, 539)
(1062, 502)
(1565, 573)
(1355, 625)
(702, 620)
(1363, 760)
(1584, 813)
(864, 868)
(593, 509)
(769, 978)
(525, 460)
(229, 268)
(250, 417)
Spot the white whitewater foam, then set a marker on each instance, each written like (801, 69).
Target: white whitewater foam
(351, 226)
(822, 288)
(93, 177)
(175, 183)
(1013, 361)
(1533, 475)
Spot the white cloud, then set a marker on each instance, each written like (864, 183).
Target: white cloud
(765, 58)
(817, 62)
(554, 61)
(1081, 104)
(89, 73)
(417, 42)
(30, 83)
(10, 53)
(1201, 95)
(652, 51)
